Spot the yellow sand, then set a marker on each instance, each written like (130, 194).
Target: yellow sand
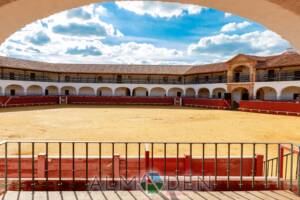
(166, 124)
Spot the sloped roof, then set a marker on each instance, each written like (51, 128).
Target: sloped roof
(285, 59)
(216, 67)
(94, 68)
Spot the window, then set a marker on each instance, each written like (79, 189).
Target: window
(220, 79)
(46, 92)
(206, 79)
(11, 76)
(67, 78)
(179, 79)
(32, 76)
(100, 79)
(119, 79)
(12, 92)
(165, 79)
(219, 95)
(297, 75)
(271, 75)
(237, 77)
(67, 92)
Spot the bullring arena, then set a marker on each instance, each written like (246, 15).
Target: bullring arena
(61, 112)
(224, 130)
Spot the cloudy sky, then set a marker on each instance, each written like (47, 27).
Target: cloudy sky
(141, 33)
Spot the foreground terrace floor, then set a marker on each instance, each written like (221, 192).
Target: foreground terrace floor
(140, 195)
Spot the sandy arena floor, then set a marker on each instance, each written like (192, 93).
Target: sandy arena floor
(145, 124)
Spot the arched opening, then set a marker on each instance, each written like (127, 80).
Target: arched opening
(284, 13)
(190, 92)
(104, 91)
(203, 93)
(158, 92)
(140, 92)
(51, 91)
(266, 93)
(68, 90)
(219, 93)
(239, 94)
(290, 93)
(175, 92)
(122, 91)
(14, 90)
(241, 74)
(34, 90)
(86, 91)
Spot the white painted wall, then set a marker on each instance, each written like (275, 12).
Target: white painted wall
(155, 89)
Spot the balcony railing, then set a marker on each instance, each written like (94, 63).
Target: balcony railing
(241, 78)
(282, 76)
(112, 80)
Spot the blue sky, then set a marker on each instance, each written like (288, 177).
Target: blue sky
(142, 32)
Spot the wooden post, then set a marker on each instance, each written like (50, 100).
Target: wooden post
(147, 158)
(187, 164)
(41, 166)
(117, 165)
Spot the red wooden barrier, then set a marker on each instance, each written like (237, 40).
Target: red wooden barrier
(276, 107)
(184, 166)
(121, 100)
(32, 100)
(207, 103)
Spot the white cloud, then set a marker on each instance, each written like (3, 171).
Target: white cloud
(227, 15)
(158, 9)
(224, 46)
(233, 26)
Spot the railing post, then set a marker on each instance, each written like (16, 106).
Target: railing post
(147, 159)
(281, 161)
(41, 163)
(298, 173)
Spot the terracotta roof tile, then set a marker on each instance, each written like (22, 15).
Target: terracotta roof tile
(285, 59)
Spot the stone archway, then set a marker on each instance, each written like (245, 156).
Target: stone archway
(240, 93)
(290, 93)
(203, 93)
(157, 92)
(86, 91)
(140, 92)
(283, 17)
(34, 90)
(14, 90)
(104, 91)
(266, 93)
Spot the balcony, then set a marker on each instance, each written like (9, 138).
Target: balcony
(241, 78)
(282, 76)
(113, 80)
